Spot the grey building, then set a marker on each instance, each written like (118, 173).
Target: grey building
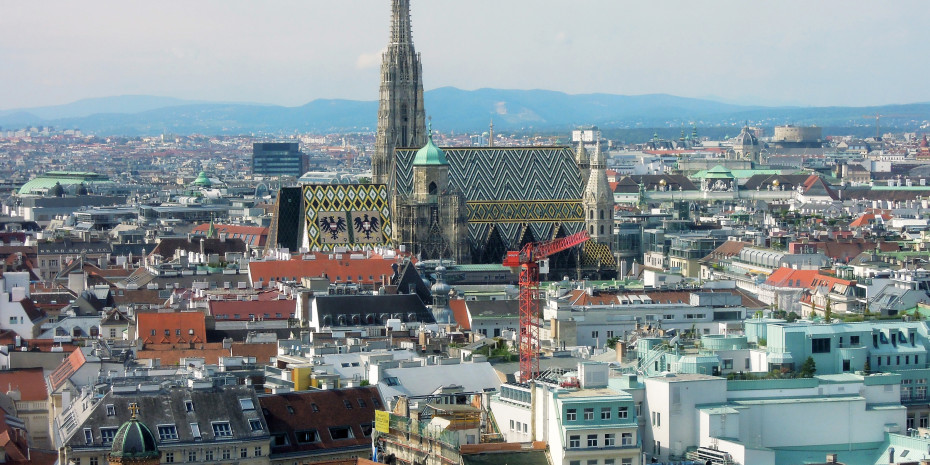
(278, 159)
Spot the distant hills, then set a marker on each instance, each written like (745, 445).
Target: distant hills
(451, 109)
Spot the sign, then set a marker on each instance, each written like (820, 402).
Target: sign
(382, 421)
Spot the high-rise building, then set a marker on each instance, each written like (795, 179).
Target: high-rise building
(278, 159)
(401, 116)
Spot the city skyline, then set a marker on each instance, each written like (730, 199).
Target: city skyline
(290, 53)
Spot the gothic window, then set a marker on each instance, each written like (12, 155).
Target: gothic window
(591, 215)
(432, 188)
(592, 229)
(602, 229)
(600, 215)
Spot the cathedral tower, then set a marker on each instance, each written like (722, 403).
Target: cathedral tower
(598, 200)
(401, 115)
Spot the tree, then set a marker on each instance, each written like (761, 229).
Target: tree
(808, 368)
(867, 368)
(792, 317)
(828, 310)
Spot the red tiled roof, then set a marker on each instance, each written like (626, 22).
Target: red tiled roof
(69, 366)
(867, 219)
(29, 381)
(291, 412)
(239, 310)
(788, 277)
(252, 235)
(171, 328)
(460, 313)
(364, 271)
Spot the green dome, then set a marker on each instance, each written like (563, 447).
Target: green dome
(202, 180)
(430, 154)
(134, 440)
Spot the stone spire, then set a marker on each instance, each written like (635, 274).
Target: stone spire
(598, 200)
(582, 159)
(401, 114)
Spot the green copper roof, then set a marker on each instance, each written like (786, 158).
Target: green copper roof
(65, 178)
(430, 154)
(202, 180)
(717, 172)
(134, 440)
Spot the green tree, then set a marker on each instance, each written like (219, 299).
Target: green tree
(867, 368)
(762, 342)
(828, 310)
(792, 317)
(808, 368)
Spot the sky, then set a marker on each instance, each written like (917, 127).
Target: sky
(769, 52)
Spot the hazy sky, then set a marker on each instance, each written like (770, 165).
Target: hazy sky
(291, 52)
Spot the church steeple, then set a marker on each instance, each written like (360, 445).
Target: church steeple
(598, 200)
(401, 114)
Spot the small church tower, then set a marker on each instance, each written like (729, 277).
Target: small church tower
(432, 219)
(598, 200)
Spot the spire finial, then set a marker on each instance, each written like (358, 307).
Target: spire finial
(429, 126)
(133, 409)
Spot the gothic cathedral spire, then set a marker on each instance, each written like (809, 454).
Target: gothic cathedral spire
(598, 200)
(401, 115)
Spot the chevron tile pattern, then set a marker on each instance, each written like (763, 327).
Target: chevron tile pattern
(361, 198)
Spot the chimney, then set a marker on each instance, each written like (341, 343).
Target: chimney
(831, 458)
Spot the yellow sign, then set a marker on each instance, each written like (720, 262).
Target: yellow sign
(382, 421)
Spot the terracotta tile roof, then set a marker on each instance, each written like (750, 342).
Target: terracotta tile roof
(788, 277)
(173, 356)
(295, 412)
(29, 381)
(254, 236)
(171, 327)
(262, 352)
(726, 250)
(460, 313)
(867, 219)
(364, 271)
(239, 310)
(69, 366)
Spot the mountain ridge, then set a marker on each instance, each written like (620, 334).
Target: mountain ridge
(450, 108)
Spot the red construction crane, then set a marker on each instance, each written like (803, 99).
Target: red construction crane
(527, 261)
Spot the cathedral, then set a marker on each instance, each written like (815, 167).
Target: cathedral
(467, 204)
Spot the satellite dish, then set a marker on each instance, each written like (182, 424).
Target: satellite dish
(674, 341)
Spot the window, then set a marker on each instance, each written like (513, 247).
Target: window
(846, 365)
(191, 456)
(589, 414)
(626, 439)
(195, 430)
(605, 413)
(340, 432)
(592, 461)
(167, 332)
(290, 409)
(592, 440)
(626, 461)
(361, 403)
(610, 440)
(246, 404)
(307, 436)
(594, 334)
(107, 434)
(316, 408)
(222, 430)
(258, 451)
(622, 412)
(656, 419)
(574, 462)
(226, 454)
(88, 436)
(570, 414)
(609, 462)
(610, 334)
(853, 340)
(511, 425)
(347, 403)
(112, 333)
(167, 433)
(177, 332)
(153, 332)
(728, 364)
(519, 426)
(189, 406)
(278, 440)
(111, 410)
(366, 429)
(208, 455)
(574, 441)
(94, 461)
(243, 453)
(169, 457)
(255, 424)
(820, 345)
